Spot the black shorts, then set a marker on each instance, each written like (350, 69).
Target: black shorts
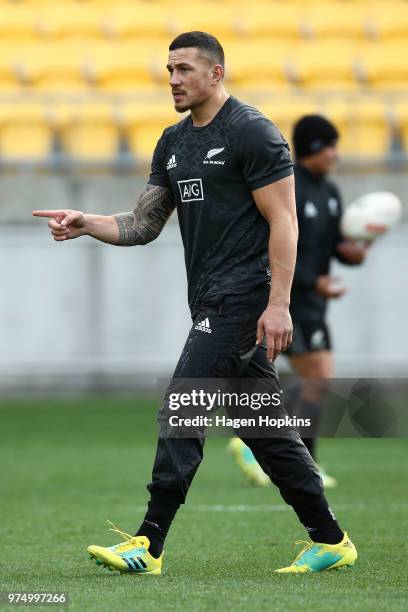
(309, 336)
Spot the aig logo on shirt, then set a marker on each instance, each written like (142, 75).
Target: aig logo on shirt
(191, 190)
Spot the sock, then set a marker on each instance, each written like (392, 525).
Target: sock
(326, 529)
(156, 525)
(320, 522)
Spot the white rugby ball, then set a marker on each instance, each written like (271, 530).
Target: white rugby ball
(371, 215)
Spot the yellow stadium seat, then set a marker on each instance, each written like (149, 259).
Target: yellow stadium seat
(384, 66)
(256, 64)
(253, 87)
(24, 131)
(137, 19)
(53, 67)
(126, 66)
(143, 125)
(284, 112)
(9, 86)
(69, 19)
(389, 20)
(280, 20)
(143, 139)
(8, 77)
(335, 19)
(324, 66)
(89, 131)
(12, 54)
(15, 48)
(17, 21)
(363, 125)
(401, 115)
(216, 18)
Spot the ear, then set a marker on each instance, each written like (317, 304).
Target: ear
(217, 74)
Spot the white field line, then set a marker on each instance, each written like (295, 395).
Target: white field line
(252, 508)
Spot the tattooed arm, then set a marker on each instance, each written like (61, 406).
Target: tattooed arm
(140, 226)
(147, 219)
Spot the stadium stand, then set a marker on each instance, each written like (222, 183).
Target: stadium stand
(24, 131)
(324, 65)
(285, 112)
(363, 124)
(88, 131)
(401, 121)
(383, 66)
(51, 68)
(143, 124)
(105, 63)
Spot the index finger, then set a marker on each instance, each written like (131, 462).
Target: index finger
(49, 213)
(339, 292)
(270, 346)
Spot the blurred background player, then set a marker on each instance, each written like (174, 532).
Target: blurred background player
(319, 210)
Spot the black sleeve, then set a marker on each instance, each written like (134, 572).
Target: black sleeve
(158, 174)
(306, 275)
(337, 238)
(263, 153)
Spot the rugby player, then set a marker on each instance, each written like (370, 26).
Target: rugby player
(227, 170)
(319, 209)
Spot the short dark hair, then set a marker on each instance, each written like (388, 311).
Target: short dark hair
(312, 133)
(200, 40)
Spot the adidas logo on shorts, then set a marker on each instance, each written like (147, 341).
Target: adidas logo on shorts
(204, 326)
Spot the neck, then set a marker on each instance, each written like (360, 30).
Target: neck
(205, 112)
(311, 167)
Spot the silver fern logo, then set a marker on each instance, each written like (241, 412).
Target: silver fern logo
(212, 153)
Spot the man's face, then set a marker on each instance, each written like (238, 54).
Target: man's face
(325, 161)
(191, 78)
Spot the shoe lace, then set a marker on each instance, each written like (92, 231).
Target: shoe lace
(307, 544)
(131, 541)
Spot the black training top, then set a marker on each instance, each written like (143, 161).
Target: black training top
(319, 209)
(211, 172)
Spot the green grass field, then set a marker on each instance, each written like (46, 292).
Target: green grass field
(67, 465)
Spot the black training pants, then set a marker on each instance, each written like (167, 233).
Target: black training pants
(229, 351)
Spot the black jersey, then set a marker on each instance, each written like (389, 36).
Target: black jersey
(211, 172)
(319, 209)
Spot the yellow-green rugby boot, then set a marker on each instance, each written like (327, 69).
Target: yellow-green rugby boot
(247, 463)
(328, 481)
(131, 556)
(316, 557)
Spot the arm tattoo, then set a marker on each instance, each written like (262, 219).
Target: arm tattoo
(147, 219)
